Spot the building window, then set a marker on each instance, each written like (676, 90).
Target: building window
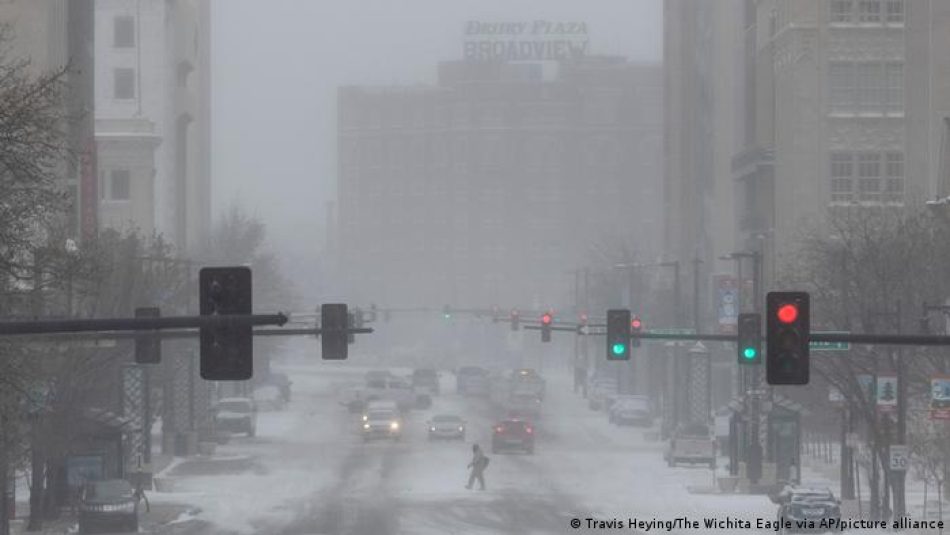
(124, 87)
(894, 177)
(866, 87)
(842, 173)
(841, 10)
(869, 11)
(121, 187)
(123, 35)
(895, 11)
(869, 176)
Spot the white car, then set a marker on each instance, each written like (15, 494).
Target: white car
(446, 426)
(237, 415)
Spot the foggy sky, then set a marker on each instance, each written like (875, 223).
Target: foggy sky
(277, 66)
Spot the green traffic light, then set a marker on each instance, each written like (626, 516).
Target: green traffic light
(749, 353)
(618, 349)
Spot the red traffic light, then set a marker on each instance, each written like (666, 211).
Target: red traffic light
(635, 323)
(584, 319)
(514, 313)
(546, 319)
(787, 313)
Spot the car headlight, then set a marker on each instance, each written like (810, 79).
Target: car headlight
(461, 428)
(365, 417)
(365, 426)
(431, 429)
(394, 425)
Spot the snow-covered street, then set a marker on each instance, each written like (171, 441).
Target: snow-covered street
(309, 471)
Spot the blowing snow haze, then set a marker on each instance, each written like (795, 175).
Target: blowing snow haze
(475, 267)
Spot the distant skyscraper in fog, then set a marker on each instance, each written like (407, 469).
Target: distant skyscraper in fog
(488, 187)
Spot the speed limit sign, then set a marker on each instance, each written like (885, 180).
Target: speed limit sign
(900, 457)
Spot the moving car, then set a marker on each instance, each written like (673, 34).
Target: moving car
(528, 380)
(446, 426)
(692, 443)
(630, 410)
(382, 423)
(513, 434)
(237, 415)
(471, 380)
(375, 378)
(108, 505)
(524, 406)
(393, 389)
(425, 380)
(806, 503)
(379, 405)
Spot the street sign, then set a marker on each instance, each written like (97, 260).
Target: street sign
(900, 457)
(829, 346)
(940, 397)
(887, 393)
(671, 331)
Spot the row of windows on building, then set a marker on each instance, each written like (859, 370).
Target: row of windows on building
(866, 87)
(601, 110)
(867, 11)
(867, 176)
(116, 185)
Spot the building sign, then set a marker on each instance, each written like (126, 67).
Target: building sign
(727, 303)
(538, 40)
(940, 397)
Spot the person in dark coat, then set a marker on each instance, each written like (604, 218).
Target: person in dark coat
(477, 466)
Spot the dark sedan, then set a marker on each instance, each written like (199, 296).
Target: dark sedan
(108, 506)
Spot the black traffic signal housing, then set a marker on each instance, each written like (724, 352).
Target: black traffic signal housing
(618, 334)
(334, 320)
(636, 327)
(148, 345)
(227, 351)
(788, 325)
(515, 318)
(350, 324)
(750, 339)
(546, 320)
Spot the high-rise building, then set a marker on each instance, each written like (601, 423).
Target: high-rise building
(489, 186)
(52, 34)
(153, 117)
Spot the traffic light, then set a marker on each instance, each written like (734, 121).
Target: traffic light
(750, 339)
(515, 320)
(618, 334)
(546, 320)
(227, 351)
(148, 346)
(788, 325)
(333, 335)
(636, 327)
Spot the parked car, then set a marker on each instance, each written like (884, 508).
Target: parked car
(471, 380)
(425, 380)
(598, 391)
(513, 434)
(632, 410)
(806, 503)
(382, 424)
(108, 505)
(446, 426)
(692, 443)
(237, 415)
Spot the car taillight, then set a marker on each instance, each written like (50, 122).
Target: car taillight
(499, 429)
(529, 430)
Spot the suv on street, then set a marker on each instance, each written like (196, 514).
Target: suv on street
(237, 415)
(382, 423)
(471, 380)
(513, 434)
(425, 380)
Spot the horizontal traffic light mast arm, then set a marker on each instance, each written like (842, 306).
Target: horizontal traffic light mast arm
(9, 328)
(550, 328)
(177, 333)
(882, 339)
